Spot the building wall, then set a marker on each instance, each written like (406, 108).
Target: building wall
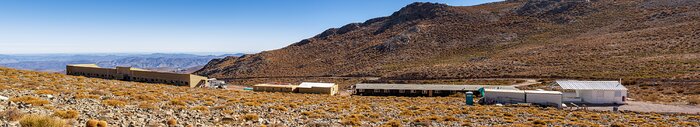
(320, 90)
(410, 93)
(126, 73)
(258, 88)
(504, 97)
(602, 96)
(544, 99)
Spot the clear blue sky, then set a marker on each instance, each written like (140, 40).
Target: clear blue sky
(128, 26)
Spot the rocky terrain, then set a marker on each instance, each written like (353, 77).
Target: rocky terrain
(80, 101)
(582, 39)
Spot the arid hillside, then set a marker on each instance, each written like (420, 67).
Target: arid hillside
(602, 39)
(61, 100)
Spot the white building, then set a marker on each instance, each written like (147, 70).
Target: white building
(593, 92)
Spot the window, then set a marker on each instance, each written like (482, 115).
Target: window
(413, 91)
(386, 91)
(618, 93)
(437, 91)
(401, 91)
(361, 90)
(425, 92)
(375, 90)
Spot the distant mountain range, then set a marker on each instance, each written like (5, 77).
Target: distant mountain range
(180, 63)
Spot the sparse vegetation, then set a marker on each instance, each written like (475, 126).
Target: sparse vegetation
(250, 117)
(112, 102)
(33, 120)
(12, 114)
(66, 114)
(30, 100)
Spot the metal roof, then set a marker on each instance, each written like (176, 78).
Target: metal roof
(314, 84)
(428, 87)
(590, 85)
(522, 91)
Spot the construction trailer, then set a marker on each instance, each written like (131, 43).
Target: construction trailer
(375, 89)
(318, 88)
(503, 96)
(593, 92)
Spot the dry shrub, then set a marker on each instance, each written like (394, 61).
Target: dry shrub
(147, 105)
(250, 117)
(392, 123)
(12, 114)
(200, 108)
(33, 120)
(83, 96)
(171, 122)
(66, 114)
(111, 102)
(30, 100)
(45, 92)
(694, 100)
(177, 102)
(280, 108)
(96, 123)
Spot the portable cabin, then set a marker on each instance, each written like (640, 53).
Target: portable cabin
(539, 97)
(593, 92)
(318, 88)
(503, 96)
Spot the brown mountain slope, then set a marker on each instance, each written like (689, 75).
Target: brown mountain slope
(556, 38)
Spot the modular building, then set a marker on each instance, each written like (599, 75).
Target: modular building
(371, 89)
(593, 92)
(136, 74)
(318, 88)
(502, 96)
(274, 88)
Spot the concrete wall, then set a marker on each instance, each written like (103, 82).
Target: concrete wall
(129, 74)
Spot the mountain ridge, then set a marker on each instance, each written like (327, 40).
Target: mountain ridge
(565, 39)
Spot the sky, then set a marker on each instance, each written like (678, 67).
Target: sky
(178, 26)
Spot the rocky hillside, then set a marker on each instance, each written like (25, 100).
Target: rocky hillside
(61, 100)
(517, 38)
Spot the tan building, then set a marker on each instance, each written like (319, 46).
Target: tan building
(274, 88)
(136, 74)
(318, 88)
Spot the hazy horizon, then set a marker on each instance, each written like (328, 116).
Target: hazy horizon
(177, 26)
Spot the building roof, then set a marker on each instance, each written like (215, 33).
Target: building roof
(315, 84)
(522, 91)
(84, 65)
(590, 85)
(428, 87)
(273, 85)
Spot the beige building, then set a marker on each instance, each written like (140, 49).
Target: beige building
(318, 88)
(136, 74)
(274, 88)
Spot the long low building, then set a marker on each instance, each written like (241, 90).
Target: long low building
(540, 97)
(137, 75)
(275, 88)
(304, 87)
(373, 89)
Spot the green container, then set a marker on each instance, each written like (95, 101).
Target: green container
(469, 98)
(247, 88)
